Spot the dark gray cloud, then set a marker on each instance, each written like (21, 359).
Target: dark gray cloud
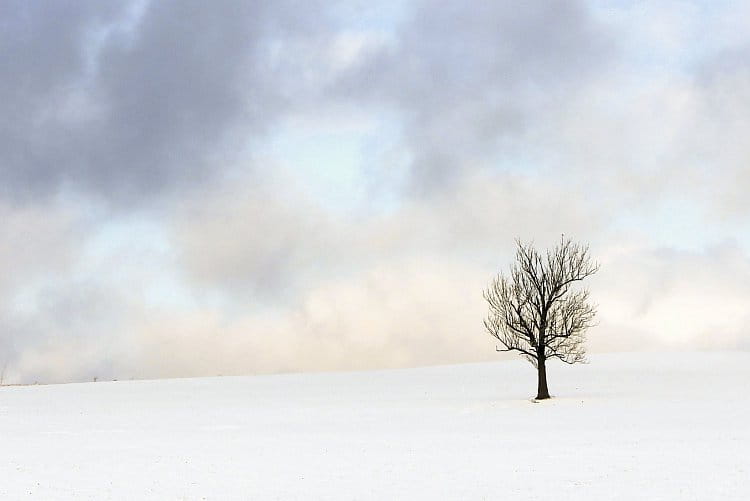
(123, 103)
(41, 55)
(468, 77)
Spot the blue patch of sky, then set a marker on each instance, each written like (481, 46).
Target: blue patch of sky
(367, 15)
(681, 224)
(667, 36)
(347, 164)
(325, 163)
(139, 246)
(355, 169)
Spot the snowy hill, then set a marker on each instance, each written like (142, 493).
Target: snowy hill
(626, 426)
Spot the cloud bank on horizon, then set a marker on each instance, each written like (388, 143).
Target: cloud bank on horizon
(200, 188)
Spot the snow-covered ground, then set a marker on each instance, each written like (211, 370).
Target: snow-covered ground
(626, 426)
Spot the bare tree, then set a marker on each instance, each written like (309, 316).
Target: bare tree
(535, 310)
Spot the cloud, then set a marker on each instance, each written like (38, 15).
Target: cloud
(666, 299)
(268, 241)
(131, 102)
(399, 312)
(160, 216)
(37, 247)
(468, 81)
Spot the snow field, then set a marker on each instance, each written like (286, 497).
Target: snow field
(626, 426)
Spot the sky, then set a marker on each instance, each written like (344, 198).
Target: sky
(194, 188)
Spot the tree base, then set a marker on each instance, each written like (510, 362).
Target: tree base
(537, 400)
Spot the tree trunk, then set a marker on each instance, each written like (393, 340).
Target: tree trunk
(542, 392)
